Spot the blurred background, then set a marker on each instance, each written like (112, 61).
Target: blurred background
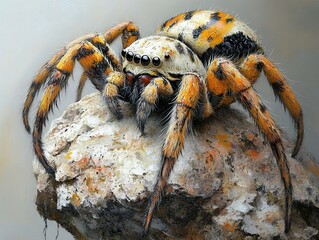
(32, 31)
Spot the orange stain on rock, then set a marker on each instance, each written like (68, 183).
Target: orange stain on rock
(231, 227)
(253, 154)
(90, 185)
(223, 139)
(75, 199)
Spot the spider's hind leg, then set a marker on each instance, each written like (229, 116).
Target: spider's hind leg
(251, 69)
(225, 71)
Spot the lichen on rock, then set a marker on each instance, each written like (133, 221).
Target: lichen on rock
(225, 185)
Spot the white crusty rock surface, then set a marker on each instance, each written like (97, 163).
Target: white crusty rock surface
(226, 184)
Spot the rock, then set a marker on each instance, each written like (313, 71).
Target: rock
(226, 184)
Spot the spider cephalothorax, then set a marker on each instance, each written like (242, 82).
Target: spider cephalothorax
(199, 60)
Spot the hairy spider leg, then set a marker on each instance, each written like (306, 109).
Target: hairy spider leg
(36, 84)
(111, 92)
(158, 87)
(225, 71)
(95, 66)
(39, 80)
(130, 33)
(182, 112)
(251, 69)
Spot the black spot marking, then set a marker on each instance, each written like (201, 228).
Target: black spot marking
(189, 15)
(198, 31)
(259, 66)
(219, 74)
(215, 16)
(233, 47)
(215, 100)
(191, 54)
(247, 103)
(278, 86)
(180, 37)
(83, 52)
(179, 48)
(228, 20)
(175, 75)
(262, 107)
(98, 69)
(209, 39)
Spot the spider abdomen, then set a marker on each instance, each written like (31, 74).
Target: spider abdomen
(212, 34)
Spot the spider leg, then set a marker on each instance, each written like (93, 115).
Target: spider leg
(147, 102)
(95, 66)
(96, 40)
(79, 90)
(37, 82)
(251, 69)
(130, 33)
(244, 93)
(114, 82)
(182, 112)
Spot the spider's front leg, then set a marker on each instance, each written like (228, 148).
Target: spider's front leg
(186, 101)
(96, 68)
(130, 34)
(158, 87)
(226, 72)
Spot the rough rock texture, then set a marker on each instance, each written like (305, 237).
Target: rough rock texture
(226, 185)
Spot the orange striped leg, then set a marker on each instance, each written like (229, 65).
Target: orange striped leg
(182, 112)
(218, 89)
(251, 69)
(96, 39)
(158, 87)
(129, 31)
(95, 66)
(246, 95)
(36, 84)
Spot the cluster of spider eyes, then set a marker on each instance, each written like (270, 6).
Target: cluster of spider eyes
(144, 59)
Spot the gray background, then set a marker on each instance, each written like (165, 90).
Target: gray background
(32, 31)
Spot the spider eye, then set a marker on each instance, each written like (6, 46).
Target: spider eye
(129, 56)
(137, 58)
(145, 60)
(156, 61)
(167, 56)
(123, 53)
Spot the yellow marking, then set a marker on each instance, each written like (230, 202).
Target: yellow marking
(110, 90)
(89, 61)
(174, 20)
(189, 92)
(66, 63)
(223, 139)
(68, 155)
(217, 30)
(49, 95)
(75, 199)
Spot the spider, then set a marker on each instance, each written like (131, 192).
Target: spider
(198, 61)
